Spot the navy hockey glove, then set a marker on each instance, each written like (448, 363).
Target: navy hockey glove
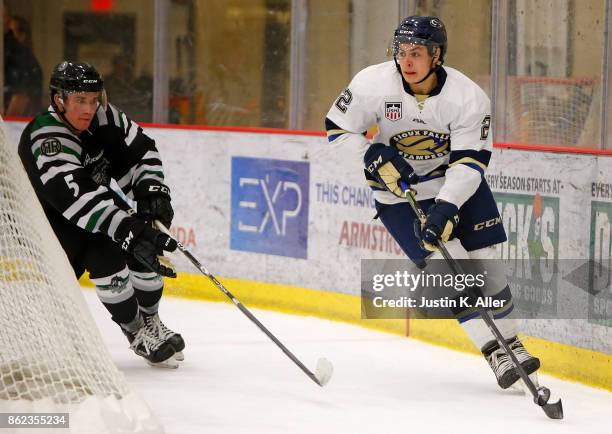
(388, 166)
(145, 243)
(442, 219)
(153, 202)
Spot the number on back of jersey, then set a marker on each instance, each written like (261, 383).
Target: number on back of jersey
(484, 129)
(344, 100)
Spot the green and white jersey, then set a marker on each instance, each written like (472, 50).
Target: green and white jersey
(71, 173)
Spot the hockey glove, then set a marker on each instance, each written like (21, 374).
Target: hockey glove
(442, 219)
(153, 200)
(145, 243)
(388, 167)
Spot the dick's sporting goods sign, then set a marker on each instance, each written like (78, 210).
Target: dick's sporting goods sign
(531, 252)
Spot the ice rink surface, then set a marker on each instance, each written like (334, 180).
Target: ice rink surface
(234, 380)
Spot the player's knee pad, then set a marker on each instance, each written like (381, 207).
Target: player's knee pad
(485, 261)
(495, 289)
(485, 253)
(114, 288)
(146, 280)
(498, 302)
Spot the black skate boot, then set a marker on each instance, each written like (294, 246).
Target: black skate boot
(147, 345)
(159, 329)
(502, 366)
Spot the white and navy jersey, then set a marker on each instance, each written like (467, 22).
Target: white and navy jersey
(71, 173)
(444, 136)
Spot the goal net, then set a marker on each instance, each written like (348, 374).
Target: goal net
(52, 357)
(557, 111)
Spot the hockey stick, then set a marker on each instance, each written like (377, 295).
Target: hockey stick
(324, 369)
(541, 395)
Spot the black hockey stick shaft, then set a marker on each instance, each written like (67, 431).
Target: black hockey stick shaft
(540, 395)
(240, 306)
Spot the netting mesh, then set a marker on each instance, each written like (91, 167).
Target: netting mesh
(553, 111)
(50, 349)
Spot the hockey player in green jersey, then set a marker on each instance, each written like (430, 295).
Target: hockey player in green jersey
(71, 153)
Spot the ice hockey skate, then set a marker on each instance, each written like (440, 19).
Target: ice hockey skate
(158, 329)
(148, 345)
(506, 373)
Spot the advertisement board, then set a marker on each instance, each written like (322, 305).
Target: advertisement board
(292, 210)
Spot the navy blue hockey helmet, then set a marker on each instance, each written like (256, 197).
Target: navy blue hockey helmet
(68, 77)
(428, 31)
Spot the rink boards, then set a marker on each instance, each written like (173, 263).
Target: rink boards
(286, 219)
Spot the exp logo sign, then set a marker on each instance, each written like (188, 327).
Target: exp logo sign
(270, 206)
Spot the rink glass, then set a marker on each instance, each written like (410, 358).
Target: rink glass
(280, 63)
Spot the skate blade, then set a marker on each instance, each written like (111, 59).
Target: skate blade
(179, 356)
(169, 363)
(520, 386)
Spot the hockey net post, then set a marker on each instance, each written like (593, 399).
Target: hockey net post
(52, 356)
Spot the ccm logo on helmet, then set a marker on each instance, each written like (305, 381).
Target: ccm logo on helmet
(487, 224)
(436, 23)
(90, 81)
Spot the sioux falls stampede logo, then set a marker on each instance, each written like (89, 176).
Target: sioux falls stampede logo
(421, 144)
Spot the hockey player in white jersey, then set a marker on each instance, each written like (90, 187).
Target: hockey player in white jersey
(432, 133)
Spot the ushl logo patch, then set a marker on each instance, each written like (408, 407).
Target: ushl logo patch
(393, 111)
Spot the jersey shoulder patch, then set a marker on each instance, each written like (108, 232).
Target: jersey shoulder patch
(50, 147)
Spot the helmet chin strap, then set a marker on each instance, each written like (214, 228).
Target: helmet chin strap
(61, 114)
(432, 69)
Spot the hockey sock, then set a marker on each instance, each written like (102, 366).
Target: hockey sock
(480, 334)
(133, 325)
(148, 287)
(117, 295)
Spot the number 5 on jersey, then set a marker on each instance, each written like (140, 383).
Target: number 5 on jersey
(344, 100)
(71, 184)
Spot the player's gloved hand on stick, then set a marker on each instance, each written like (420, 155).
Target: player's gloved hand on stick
(442, 219)
(388, 166)
(153, 202)
(145, 243)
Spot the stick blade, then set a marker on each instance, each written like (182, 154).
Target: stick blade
(554, 411)
(324, 371)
